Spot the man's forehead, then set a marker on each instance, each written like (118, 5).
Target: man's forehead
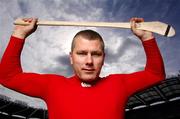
(88, 48)
(83, 41)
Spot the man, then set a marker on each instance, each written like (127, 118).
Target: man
(84, 95)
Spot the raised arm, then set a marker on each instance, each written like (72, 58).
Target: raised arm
(154, 69)
(11, 73)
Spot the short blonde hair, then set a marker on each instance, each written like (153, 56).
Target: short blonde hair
(89, 35)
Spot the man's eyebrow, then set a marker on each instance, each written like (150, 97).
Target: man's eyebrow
(93, 51)
(97, 51)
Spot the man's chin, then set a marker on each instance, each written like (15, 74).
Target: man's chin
(88, 79)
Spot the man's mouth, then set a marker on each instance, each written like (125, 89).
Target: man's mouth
(88, 69)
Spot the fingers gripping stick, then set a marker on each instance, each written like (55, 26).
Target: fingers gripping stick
(154, 26)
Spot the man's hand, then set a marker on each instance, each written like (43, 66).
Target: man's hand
(22, 31)
(143, 35)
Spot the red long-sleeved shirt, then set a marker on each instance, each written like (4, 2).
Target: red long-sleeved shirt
(67, 99)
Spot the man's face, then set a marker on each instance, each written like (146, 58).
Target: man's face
(87, 59)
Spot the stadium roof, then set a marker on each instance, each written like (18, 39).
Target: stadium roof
(168, 90)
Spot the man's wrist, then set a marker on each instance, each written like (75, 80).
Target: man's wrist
(18, 35)
(147, 38)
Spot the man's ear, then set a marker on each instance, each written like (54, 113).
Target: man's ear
(70, 56)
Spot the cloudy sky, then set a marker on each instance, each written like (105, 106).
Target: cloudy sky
(47, 50)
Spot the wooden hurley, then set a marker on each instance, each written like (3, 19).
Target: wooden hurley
(154, 26)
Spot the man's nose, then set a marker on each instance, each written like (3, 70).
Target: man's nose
(89, 59)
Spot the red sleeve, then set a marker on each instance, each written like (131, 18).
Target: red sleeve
(153, 72)
(12, 76)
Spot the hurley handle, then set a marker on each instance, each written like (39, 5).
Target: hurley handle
(154, 26)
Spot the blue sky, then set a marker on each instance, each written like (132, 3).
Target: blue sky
(47, 50)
